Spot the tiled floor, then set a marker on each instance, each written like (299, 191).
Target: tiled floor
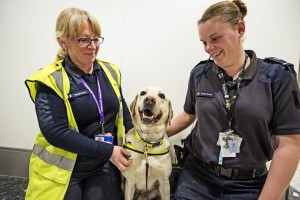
(13, 188)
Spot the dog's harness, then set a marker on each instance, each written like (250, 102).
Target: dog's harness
(146, 151)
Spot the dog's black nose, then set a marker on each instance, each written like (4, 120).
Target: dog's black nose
(150, 100)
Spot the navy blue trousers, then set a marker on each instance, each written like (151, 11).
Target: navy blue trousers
(197, 183)
(95, 181)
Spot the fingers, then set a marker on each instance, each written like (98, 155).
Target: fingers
(126, 153)
(123, 163)
(120, 160)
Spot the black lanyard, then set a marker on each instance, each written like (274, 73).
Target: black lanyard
(231, 101)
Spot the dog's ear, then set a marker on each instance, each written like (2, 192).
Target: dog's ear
(132, 105)
(170, 116)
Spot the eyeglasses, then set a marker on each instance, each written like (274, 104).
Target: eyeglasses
(87, 41)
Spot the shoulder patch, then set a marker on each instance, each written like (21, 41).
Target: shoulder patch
(279, 61)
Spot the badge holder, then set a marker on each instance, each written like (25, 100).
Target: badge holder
(104, 138)
(230, 144)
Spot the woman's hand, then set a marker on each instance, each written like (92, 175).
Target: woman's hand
(120, 158)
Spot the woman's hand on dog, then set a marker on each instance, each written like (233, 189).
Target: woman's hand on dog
(120, 158)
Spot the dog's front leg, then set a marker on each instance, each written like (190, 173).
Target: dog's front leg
(164, 189)
(129, 189)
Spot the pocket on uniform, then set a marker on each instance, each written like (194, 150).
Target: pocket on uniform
(40, 187)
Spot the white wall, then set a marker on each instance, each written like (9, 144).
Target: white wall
(153, 42)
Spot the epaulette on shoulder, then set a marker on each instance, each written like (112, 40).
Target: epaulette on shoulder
(203, 62)
(200, 68)
(278, 61)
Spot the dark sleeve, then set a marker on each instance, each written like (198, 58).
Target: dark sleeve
(189, 105)
(52, 119)
(126, 114)
(286, 118)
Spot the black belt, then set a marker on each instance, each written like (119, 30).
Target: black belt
(234, 173)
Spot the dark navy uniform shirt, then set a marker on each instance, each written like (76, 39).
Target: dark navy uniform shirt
(267, 105)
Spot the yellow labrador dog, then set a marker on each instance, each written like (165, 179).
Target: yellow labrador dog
(148, 175)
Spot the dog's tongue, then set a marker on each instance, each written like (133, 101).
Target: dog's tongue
(148, 119)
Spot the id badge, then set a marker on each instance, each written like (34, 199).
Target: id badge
(230, 143)
(223, 144)
(104, 138)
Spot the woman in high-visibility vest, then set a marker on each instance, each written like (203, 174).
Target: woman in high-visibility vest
(78, 99)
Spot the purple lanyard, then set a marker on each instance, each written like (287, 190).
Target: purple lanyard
(98, 101)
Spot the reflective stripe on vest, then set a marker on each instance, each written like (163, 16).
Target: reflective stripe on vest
(57, 75)
(112, 71)
(53, 159)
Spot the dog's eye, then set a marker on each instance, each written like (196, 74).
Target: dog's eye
(161, 95)
(143, 93)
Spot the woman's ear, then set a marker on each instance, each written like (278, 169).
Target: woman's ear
(241, 27)
(62, 43)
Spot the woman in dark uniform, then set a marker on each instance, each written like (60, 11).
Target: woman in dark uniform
(247, 112)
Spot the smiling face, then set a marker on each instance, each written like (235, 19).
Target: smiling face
(81, 55)
(222, 41)
(151, 108)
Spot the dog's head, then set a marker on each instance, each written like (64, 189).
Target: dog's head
(151, 108)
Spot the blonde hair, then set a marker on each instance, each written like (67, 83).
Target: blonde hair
(70, 24)
(227, 11)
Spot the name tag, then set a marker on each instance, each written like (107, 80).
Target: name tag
(205, 94)
(78, 94)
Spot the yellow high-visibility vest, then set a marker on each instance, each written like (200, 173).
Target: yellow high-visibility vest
(50, 167)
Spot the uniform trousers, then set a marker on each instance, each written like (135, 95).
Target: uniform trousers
(94, 180)
(197, 183)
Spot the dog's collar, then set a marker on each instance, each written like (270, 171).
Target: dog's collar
(154, 153)
(147, 143)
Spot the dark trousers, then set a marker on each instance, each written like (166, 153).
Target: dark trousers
(95, 181)
(197, 183)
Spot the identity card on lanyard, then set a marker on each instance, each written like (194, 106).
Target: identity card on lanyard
(101, 137)
(229, 141)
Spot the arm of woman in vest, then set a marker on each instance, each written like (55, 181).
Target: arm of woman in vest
(53, 122)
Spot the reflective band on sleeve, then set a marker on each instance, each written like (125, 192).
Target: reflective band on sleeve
(53, 159)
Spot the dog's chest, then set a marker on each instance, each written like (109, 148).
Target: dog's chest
(156, 165)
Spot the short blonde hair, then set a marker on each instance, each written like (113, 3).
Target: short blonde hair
(70, 24)
(227, 11)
